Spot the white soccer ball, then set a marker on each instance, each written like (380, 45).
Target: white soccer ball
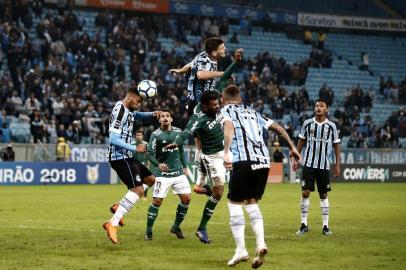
(147, 89)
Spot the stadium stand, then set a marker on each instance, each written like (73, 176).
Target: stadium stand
(280, 77)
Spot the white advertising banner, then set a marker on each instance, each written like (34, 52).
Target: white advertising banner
(361, 23)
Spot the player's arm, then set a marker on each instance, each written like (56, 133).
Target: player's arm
(337, 152)
(116, 127)
(229, 71)
(182, 156)
(146, 115)
(282, 132)
(228, 138)
(186, 68)
(186, 133)
(115, 140)
(205, 75)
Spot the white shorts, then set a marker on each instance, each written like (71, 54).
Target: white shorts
(179, 184)
(214, 164)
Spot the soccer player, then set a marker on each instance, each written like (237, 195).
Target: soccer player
(320, 135)
(207, 125)
(141, 156)
(120, 155)
(170, 171)
(246, 153)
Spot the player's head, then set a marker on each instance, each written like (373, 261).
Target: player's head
(139, 136)
(215, 47)
(210, 102)
(231, 94)
(320, 107)
(132, 99)
(165, 119)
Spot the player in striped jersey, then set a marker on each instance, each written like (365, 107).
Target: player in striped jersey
(246, 153)
(120, 155)
(320, 135)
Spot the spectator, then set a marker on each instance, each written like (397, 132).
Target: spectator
(321, 39)
(7, 153)
(62, 150)
(277, 154)
(5, 133)
(307, 37)
(234, 38)
(365, 61)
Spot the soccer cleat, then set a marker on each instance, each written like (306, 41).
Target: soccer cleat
(178, 233)
(203, 237)
(302, 230)
(113, 209)
(148, 236)
(111, 231)
(239, 256)
(326, 231)
(205, 189)
(259, 257)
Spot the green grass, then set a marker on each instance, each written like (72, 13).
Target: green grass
(59, 227)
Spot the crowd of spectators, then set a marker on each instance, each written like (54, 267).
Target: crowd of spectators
(63, 81)
(393, 92)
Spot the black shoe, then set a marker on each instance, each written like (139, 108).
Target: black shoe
(148, 236)
(326, 231)
(178, 233)
(303, 229)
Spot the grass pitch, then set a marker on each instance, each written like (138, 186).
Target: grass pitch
(59, 227)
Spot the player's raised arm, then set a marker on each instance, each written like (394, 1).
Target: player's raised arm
(229, 71)
(186, 133)
(186, 68)
(146, 115)
(228, 138)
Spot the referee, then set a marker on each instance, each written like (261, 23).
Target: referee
(246, 153)
(320, 135)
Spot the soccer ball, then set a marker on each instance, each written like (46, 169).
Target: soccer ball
(147, 89)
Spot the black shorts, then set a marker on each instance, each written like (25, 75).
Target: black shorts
(130, 172)
(247, 182)
(321, 176)
(191, 104)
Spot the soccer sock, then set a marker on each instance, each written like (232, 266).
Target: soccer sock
(304, 209)
(151, 216)
(145, 186)
(207, 212)
(126, 204)
(325, 211)
(257, 223)
(237, 224)
(181, 212)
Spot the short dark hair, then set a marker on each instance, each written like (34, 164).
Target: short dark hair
(209, 95)
(212, 44)
(133, 90)
(139, 131)
(231, 92)
(321, 100)
(166, 110)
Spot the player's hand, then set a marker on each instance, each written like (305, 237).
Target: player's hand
(171, 146)
(238, 55)
(295, 158)
(141, 148)
(228, 160)
(337, 170)
(157, 114)
(295, 164)
(186, 171)
(163, 167)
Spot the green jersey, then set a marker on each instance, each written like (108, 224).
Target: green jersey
(141, 157)
(207, 128)
(174, 158)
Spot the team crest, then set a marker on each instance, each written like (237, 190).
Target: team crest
(92, 173)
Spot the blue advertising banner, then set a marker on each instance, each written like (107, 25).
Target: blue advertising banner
(284, 17)
(54, 173)
(215, 10)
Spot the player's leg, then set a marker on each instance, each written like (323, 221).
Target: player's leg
(323, 187)
(128, 172)
(237, 221)
(254, 191)
(307, 186)
(161, 188)
(201, 187)
(216, 171)
(181, 187)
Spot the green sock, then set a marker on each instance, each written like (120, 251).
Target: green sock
(207, 212)
(151, 216)
(180, 214)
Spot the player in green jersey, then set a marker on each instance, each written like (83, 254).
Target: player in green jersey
(170, 171)
(207, 126)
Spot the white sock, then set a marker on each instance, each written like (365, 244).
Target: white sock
(237, 224)
(304, 209)
(145, 186)
(126, 204)
(325, 211)
(257, 223)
